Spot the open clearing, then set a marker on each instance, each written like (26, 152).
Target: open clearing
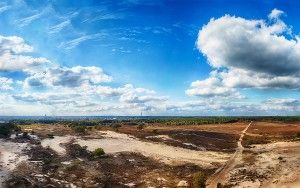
(113, 142)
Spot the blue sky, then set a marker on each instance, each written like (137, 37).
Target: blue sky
(167, 57)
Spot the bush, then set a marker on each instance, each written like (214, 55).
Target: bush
(6, 129)
(79, 129)
(77, 151)
(140, 127)
(74, 166)
(219, 185)
(298, 135)
(98, 152)
(115, 127)
(199, 180)
(155, 131)
(50, 135)
(20, 176)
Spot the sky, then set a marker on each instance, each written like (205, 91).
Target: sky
(155, 57)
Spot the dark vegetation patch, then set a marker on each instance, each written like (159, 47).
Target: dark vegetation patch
(250, 140)
(195, 140)
(6, 129)
(298, 135)
(209, 140)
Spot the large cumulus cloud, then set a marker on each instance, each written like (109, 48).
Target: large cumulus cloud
(249, 53)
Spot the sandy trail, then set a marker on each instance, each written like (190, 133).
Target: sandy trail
(10, 156)
(113, 142)
(221, 174)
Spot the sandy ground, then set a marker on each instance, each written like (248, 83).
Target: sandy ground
(274, 165)
(56, 142)
(10, 156)
(113, 142)
(283, 173)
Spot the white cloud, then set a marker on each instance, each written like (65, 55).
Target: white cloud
(274, 106)
(4, 8)
(248, 54)
(68, 77)
(57, 28)
(93, 99)
(26, 21)
(136, 99)
(282, 105)
(77, 41)
(235, 42)
(80, 89)
(5, 83)
(11, 58)
(275, 14)
(14, 44)
(212, 87)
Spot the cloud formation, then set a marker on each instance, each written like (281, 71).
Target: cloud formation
(77, 41)
(212, 87)
(68, 77)
(11, 58)
(248, 53)
(5, 83)
(57, 28)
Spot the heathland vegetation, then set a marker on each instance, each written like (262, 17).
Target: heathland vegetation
(147, 151)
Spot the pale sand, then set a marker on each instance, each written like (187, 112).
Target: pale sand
(10, 156)
(113, 142)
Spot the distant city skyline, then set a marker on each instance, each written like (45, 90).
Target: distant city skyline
(151, 58)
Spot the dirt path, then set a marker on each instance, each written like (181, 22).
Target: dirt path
(221, 174)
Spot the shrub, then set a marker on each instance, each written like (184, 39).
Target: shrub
(140, 127)
(298, 135)
(219, 185)
(25, 135)
(20, 176)
(6, 129)
(50, 135)
(199, 180)
(155, 131)
(79, 129)
(98, 152)
(115, 127)
(74, 166)
(75, 151)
